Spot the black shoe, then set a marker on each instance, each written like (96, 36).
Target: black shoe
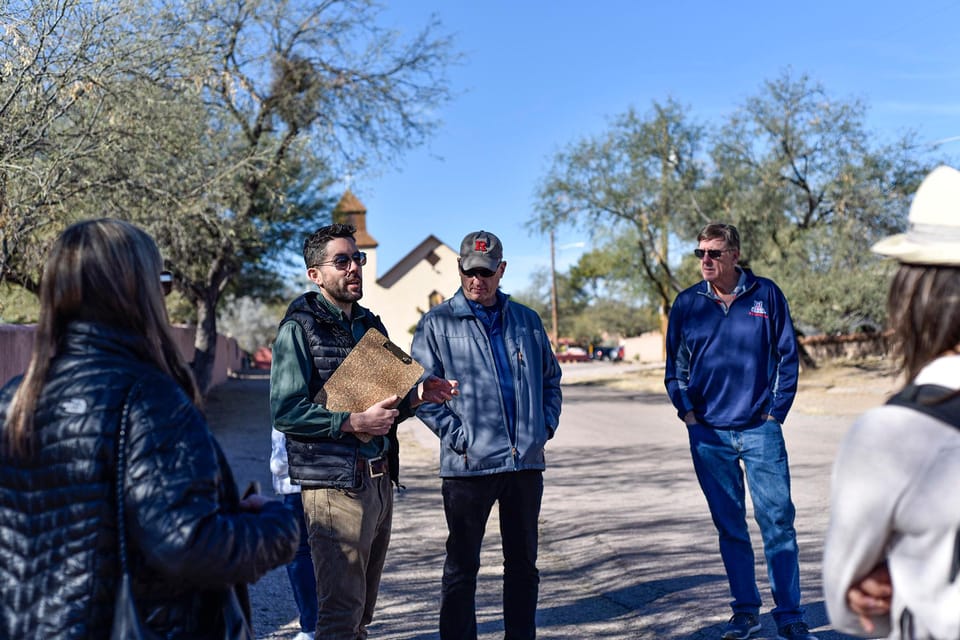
(795, 631)
(742, 626)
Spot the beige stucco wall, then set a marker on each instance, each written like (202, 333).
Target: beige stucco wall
(647, 347)
(401, 306)
(16, 343)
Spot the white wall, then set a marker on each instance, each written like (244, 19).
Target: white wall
(647, 347)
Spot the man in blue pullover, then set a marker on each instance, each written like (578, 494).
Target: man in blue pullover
(492, 435)
(731, 372)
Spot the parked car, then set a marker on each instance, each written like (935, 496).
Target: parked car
(614, 353)
(573, 353)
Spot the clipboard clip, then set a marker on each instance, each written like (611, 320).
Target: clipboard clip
(397, 352)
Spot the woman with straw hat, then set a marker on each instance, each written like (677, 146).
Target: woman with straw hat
(892, 553)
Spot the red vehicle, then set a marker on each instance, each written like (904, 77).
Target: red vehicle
(572, 353)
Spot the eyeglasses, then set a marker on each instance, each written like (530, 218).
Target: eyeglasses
(713, 253)
(341, 261)
(478, 272)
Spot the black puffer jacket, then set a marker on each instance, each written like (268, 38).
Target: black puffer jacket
(188, 544)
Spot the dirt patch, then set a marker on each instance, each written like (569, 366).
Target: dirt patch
(833, 388)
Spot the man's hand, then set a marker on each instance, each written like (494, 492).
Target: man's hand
(870, 598)
(254, 502)
(433, 389)
(375, 421)
(690, 418)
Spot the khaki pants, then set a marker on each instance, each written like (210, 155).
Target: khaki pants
(349, 531)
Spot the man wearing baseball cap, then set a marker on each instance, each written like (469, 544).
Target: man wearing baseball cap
(492, 436)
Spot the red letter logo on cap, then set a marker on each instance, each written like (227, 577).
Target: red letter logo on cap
(480, 245)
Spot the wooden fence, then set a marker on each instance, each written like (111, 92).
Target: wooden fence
(846, 347)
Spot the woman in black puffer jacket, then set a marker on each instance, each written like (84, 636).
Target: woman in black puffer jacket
(103, 343)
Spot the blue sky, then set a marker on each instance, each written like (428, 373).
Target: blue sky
(539, 75)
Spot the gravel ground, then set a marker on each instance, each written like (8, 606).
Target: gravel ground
(640, 565)
(239, 416)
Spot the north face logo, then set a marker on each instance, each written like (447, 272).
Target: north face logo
(480, 245)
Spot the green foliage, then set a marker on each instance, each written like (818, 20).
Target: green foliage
(536, 295)
(794, 168)
(838, 302)
(841, 289)
(17, 305)
(640, 177)
(218, 126)
(583, 316)
(810, 191)
(180, 310)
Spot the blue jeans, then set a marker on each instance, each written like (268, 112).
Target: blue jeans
(467, 503)
(300, 570)
(717, 456)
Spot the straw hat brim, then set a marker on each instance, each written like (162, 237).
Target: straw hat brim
(905, 250)
(933, 234)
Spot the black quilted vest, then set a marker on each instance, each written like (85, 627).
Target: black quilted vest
(328, 462)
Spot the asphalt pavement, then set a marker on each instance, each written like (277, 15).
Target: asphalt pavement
(627, 548)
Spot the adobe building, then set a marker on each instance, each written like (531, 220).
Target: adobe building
(423, 278)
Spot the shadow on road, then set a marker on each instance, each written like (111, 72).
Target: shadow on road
(627, 547)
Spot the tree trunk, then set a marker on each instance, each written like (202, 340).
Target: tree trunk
(806, 360)
(205, 342)
(664, 323)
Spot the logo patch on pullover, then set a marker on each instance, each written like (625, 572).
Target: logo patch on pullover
(758, 310)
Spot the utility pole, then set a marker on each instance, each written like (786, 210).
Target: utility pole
(553, 293)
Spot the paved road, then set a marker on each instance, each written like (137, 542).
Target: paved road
(627, 548)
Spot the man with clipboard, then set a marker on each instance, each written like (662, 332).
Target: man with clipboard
(344, 461)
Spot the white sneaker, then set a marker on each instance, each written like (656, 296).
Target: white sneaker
(303, 635)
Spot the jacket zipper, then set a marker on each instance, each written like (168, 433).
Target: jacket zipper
(517, 397)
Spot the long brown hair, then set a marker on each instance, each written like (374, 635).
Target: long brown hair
(105, 271)
(923, 309)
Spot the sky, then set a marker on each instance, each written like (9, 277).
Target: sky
(539, 75)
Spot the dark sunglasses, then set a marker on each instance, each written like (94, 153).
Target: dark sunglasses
(713, 253)
(478, 272)
(341, 261)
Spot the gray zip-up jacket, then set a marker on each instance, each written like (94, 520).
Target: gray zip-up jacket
(450, 342)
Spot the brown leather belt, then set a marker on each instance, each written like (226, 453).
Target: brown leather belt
(376, 467)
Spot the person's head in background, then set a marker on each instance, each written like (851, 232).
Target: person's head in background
(166, 282)
(107, 272)
(923, 303)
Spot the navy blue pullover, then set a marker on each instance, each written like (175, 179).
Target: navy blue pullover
(731, 366)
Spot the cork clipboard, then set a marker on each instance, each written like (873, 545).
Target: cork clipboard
(375, 369)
